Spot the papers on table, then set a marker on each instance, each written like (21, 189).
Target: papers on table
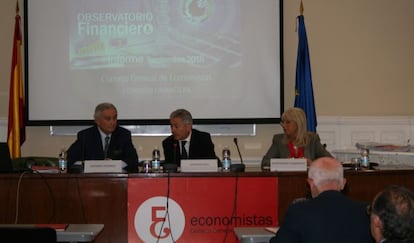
(374, 146)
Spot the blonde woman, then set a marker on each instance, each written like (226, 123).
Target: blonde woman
(295, 141)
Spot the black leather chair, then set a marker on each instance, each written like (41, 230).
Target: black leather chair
(15, 234)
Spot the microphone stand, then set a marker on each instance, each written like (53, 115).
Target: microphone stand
(238, 167)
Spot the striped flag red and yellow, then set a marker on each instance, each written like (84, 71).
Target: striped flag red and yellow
(16, 128)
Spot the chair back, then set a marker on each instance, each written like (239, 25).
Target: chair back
(5, 160)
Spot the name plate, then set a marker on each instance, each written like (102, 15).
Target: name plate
(288, 165)
(103, 166)
(199, 165)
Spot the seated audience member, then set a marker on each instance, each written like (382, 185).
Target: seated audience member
(329, 216)
(186, 142)
(105, 140)
(296, 141)
(392, 215)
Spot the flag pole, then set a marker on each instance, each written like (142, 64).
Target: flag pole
(304, 97)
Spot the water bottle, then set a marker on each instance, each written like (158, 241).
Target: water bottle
(226, 160)
(156, 163)
(146, 168)
(63, 164)
(365, 158)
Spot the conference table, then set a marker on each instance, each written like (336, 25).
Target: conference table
(175, 207)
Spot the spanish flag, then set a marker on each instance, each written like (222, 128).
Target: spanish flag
(16, 128)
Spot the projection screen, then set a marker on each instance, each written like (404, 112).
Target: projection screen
(220, 59)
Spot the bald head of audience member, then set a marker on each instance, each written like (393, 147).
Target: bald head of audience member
(325, 174)
(392, 215)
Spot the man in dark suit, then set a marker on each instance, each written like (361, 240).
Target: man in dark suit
(392, 215)
(105, 140)
(329, 216)
(186, 142)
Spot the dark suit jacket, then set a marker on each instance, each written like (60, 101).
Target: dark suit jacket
(88, 146)
(201, 147)
(330, 217)
(313, 150)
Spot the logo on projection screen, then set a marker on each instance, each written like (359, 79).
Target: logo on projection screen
(198, 11)
(152, 221)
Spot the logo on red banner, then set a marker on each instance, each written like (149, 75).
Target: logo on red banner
(152, 220)
(199, 209)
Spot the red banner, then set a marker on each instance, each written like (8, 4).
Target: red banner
(199, 209)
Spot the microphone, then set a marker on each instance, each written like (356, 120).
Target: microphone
(238, 149)
(238, 167)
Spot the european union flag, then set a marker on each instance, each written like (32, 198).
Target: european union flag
(304, 89)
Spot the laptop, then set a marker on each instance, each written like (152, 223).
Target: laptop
(6, 165)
